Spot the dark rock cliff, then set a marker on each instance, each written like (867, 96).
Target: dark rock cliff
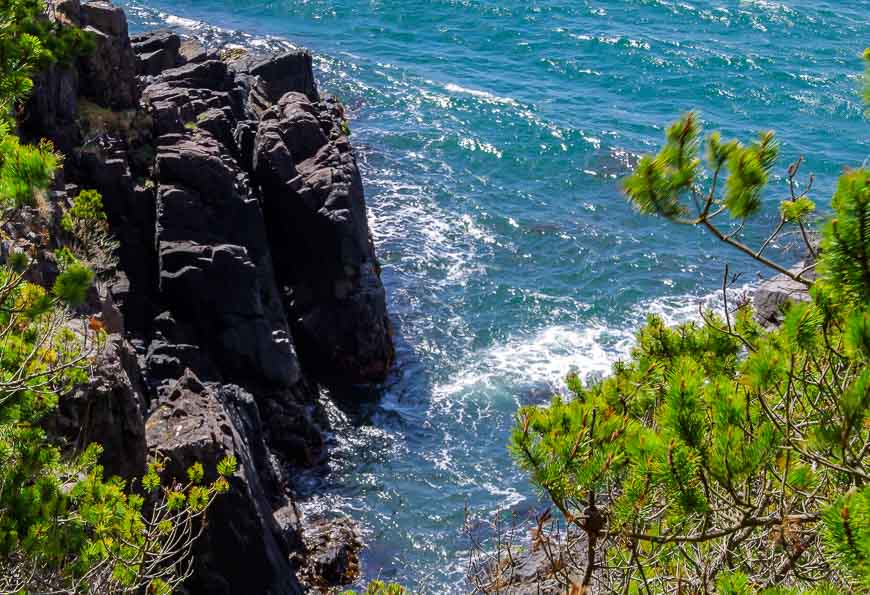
(247, 275)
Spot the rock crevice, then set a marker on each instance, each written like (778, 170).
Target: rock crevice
(247, 278)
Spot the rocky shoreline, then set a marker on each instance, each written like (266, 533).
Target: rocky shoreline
(246, 280)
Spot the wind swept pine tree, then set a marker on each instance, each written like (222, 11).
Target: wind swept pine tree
(63, 527)
(722, 456)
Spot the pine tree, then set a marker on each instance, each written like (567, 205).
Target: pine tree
(721, 455)
(63, 526)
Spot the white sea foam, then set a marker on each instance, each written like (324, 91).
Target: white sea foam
(544, 358)
(589, 349)
(484, 95)
(176, 21)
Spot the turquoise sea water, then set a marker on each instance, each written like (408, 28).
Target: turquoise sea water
(492, 135)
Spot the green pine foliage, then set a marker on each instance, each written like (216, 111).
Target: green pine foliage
(722, 456)
(64, 527)
(846, 239)
(24, 170)
(30, 42)
(88, 238)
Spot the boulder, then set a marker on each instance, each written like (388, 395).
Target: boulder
(774, 294)
(277, 75)
(109, 410)
(243, 549)
(332, 547)
(157, 51)
(108, 75)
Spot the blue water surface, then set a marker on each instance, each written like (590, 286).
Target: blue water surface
(492, 135)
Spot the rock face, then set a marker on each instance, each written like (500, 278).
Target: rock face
(215, 266)
(247, 277)
(244, 544)
(775, 293)
(109, 410)
(108, 75)
(157, 51)
(313, 202)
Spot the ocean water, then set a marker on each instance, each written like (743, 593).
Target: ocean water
(492, 135)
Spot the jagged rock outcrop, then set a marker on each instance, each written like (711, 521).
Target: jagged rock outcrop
(269, 79)
(108, 75)
(247, 276)
(53, 104)
(215, 266)
(313, 203)
(109, 410)
(157, 51)
(243, 544)
(246, 272)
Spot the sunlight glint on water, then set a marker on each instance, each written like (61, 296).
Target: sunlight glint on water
(492, 134)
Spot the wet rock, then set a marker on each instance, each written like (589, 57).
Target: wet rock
(293, 431)
(538, 564)
(332, 552)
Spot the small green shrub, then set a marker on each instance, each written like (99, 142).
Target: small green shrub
(64, 528)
